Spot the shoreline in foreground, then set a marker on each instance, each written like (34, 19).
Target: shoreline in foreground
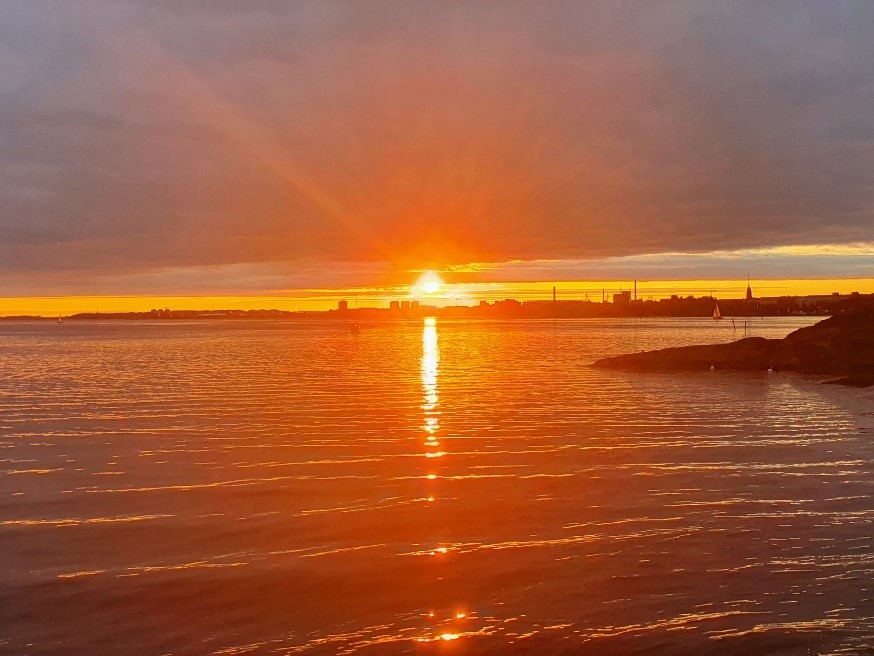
(841, 346)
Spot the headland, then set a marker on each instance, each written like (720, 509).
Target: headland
(842, 345)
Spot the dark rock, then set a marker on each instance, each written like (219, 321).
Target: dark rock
(842, 345)
(862, 380)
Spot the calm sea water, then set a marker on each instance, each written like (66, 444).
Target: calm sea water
(438, 487)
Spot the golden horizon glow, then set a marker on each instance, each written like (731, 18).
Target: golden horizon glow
(451, 294)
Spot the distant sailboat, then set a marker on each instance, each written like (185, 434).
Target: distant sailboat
(717, 315)
(60, 320)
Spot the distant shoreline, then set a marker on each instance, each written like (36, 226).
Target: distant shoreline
(679, 307)
(352, 319)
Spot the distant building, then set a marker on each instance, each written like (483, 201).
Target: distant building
(414, 305)
(394, 305)
(749, 295)
(405, 305)
(343, 306)
(622, 297)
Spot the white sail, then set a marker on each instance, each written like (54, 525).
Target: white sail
(716, 313)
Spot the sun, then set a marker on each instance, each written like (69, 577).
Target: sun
(429, 283)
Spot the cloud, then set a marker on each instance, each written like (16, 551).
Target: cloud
(799, 262)
(139, 138)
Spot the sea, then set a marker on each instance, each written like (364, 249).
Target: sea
(425, 487)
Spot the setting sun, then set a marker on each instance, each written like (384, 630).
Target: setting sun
(429, 283)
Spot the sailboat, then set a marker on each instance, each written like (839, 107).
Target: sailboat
(717, 315)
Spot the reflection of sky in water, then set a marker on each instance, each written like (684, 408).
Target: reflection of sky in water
(262, 484)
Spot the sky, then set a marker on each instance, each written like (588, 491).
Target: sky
(231, 149)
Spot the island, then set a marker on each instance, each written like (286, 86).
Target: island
(840, 346)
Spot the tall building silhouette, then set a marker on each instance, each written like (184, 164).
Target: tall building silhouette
(622, 297)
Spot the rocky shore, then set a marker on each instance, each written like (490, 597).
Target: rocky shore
(842, 345)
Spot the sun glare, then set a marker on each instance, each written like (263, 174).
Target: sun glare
(429, 283)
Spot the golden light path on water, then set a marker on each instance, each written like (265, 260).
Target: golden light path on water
(430, 371)
(443, 622)
(424, 487)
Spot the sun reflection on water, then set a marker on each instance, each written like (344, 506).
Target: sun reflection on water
(430, 370)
